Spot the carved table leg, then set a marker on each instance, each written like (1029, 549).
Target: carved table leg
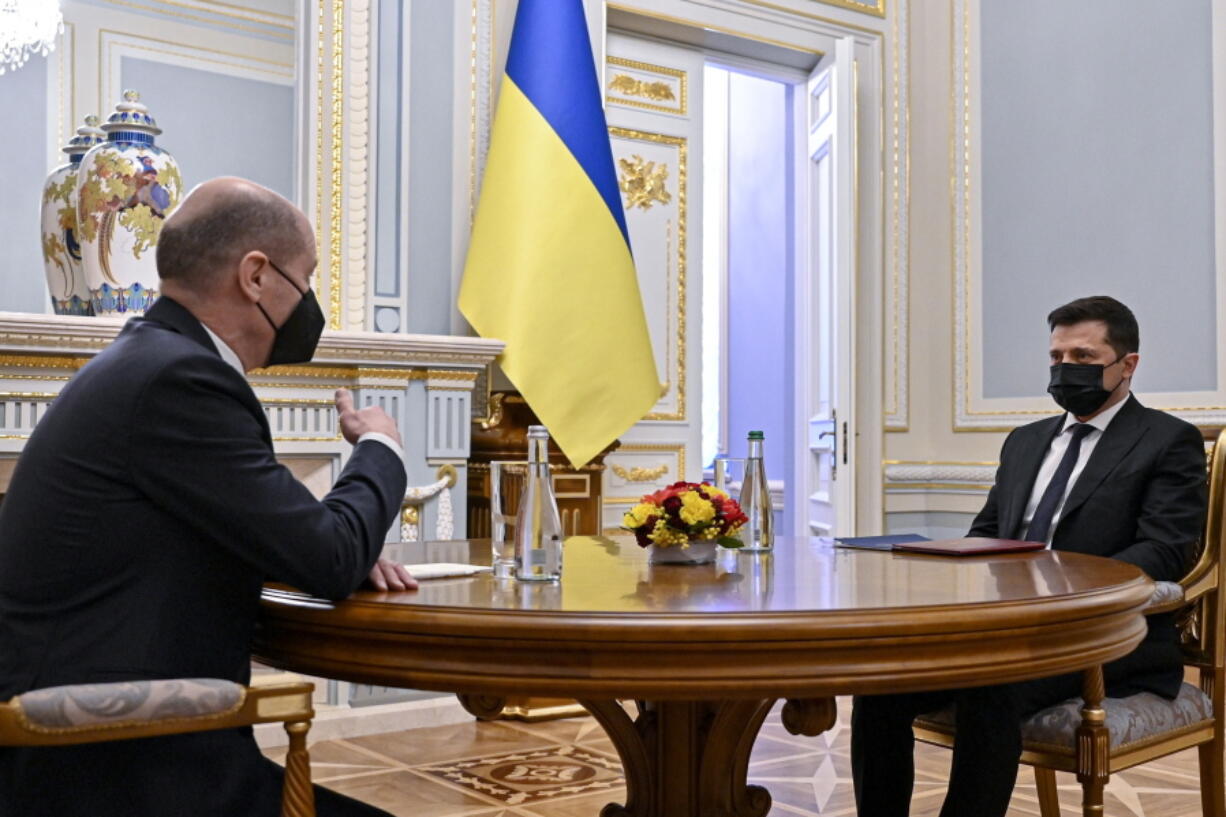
(1092, 744)
(686, 758)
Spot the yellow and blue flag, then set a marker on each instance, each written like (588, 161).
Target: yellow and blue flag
(549, 268)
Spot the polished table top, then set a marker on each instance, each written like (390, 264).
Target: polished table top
(807, 619)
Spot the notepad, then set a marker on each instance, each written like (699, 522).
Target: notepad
(914, 543)
(879, 542)
(445, 570)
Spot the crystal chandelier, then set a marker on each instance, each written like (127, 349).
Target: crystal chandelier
(27, 27)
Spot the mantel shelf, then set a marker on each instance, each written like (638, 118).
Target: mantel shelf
(22, 333)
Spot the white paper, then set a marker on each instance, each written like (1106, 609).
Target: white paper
(445, 570)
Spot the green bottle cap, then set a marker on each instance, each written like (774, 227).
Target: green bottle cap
(756, 435)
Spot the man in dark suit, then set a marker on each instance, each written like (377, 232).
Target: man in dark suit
(147, 509)
(1109, 478)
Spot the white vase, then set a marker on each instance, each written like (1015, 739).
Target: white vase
(60, 241)
(698, 553)
(125, 189)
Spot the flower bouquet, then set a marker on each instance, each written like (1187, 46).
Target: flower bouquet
(685, 513)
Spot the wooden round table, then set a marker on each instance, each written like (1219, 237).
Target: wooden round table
(706, 650)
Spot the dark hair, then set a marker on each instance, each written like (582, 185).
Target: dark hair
(1122, 331)
(195, 249)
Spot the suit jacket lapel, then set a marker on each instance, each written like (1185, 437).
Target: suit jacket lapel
(1125, 431)
(1024, 471)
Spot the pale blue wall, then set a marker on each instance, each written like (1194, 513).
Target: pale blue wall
(218, 125)
(431, 101)
(1098, 179)
(759, 269)
(23, 166)
(388, 186)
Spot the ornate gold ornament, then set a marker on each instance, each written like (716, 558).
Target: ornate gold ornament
(643, 182)
(640, 474)
(629, 86)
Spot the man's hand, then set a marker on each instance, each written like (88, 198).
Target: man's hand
(387, 575)
(356, 422)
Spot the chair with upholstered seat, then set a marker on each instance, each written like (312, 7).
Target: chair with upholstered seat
(1093, 737)
(92, 713)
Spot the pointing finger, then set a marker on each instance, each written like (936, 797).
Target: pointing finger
(344, 401)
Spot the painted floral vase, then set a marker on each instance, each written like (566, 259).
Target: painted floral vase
(700, 552)
(126, 187)
(60, 239)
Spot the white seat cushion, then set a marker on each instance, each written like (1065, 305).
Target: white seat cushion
(124, 702)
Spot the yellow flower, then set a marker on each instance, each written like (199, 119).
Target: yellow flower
(713, 491)
(664, 536)
(639, 514)
(696, 510)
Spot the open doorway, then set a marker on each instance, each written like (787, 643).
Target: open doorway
(748, 270)
(736, 174)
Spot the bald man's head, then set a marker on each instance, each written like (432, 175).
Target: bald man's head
(222, 220)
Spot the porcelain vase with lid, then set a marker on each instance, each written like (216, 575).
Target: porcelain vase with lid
(125, 189)
(60, 239)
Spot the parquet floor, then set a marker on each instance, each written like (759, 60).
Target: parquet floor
(569, 767)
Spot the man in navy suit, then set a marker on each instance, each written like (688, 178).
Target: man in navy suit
(1108, 477)
(148, 508)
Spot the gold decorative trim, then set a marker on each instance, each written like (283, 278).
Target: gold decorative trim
(451, 374)
(682, 146)
(680, 75)
(640, 474)
(319, 144)
(335, 237)
(41, 362)
(876, 8)
(644, 183)
(28, 395)
(657, 448)
(307, 371)
(495, 415)
(448, 471)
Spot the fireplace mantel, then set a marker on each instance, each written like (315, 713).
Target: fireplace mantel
(433, 385)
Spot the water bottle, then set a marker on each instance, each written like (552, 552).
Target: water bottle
(758, 534)
(538, 526)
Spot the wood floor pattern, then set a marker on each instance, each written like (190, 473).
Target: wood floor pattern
(569, 768)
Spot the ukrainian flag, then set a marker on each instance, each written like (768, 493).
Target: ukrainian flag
(549, 268)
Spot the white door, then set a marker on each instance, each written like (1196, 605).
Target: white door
(653, 104)
(825, 303)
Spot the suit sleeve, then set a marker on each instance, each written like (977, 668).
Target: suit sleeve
(200, 454)
(987, 522)
(1172, 509)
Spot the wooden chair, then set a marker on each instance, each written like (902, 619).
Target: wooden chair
(92, 713)
(1094, 737)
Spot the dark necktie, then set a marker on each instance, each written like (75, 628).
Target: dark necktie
(1040, 524)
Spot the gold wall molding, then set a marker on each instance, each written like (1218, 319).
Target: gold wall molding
(676, 449)
(640, 474)
(967, 417)
(681, 145)
(630, 86)
(643, 182)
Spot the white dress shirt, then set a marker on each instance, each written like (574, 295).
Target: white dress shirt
(231, 357)
(1056, 453)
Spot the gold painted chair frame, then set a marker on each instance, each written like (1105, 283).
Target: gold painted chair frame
(271, 700)
(1202, 622)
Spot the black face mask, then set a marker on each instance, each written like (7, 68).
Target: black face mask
(296, 339)
(1078, 387)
